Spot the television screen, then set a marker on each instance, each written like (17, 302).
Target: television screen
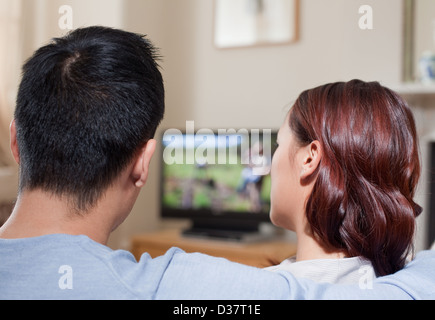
(213, 176)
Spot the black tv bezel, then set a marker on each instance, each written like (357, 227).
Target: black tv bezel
(207, 218)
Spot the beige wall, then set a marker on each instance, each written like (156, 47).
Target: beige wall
(235, 88)
(40, 18)
(424, 30)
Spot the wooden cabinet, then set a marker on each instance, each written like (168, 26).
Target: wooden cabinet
(258, 254)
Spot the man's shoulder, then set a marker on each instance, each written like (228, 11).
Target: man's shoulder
(199, 276)
(75, 267)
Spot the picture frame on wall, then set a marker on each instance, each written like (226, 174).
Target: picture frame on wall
(247, 23)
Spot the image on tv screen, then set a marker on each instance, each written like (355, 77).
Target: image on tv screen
(225, 172)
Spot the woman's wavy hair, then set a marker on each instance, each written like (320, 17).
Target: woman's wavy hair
(362, 200)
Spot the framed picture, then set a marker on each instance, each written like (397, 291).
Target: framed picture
(245, 23)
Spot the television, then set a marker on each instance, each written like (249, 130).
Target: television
(218, 179)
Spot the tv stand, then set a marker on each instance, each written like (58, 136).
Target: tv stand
(225, 234)
(258, 254)
(225, 229)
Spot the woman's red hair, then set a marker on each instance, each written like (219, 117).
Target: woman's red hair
(362, 201)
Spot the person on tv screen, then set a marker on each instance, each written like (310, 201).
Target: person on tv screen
(87, 109)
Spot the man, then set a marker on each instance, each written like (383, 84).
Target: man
(87, 110)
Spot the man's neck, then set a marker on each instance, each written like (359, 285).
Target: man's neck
(38, 213)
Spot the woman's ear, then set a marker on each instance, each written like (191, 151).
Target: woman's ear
(13, 142)
(141, 167)
(311, 160)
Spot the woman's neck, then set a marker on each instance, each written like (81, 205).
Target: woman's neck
(308, 248)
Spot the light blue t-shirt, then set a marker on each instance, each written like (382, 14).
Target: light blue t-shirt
(75, 267)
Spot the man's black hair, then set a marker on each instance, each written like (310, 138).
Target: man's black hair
(86, 104)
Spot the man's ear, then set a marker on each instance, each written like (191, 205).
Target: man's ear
(13, 142)
(311, 159)
(141, 167)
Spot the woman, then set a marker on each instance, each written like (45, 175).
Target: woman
(343, 178)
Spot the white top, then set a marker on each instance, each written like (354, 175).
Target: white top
(355, 270)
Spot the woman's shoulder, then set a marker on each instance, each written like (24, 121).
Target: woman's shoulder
(338, 271)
